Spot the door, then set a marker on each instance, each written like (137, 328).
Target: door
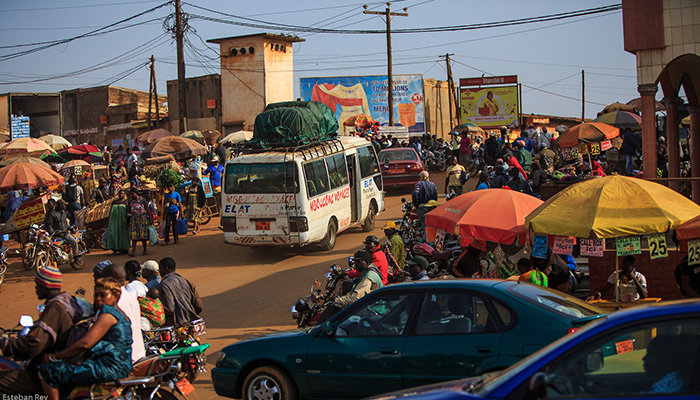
(363, 355)
(354, 187)
(455, 336)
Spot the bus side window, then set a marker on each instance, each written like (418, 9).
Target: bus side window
(368, 162)
(336, 170)
(316, 177)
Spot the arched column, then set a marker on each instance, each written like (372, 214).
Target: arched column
(673, 141)
(648, 93)
(695, 150)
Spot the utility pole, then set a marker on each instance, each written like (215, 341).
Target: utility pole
(390, 84)
(583, 96)
(153, 94)
(179, 39)
(452, 91)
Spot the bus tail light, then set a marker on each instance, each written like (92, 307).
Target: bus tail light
(298, 224)
(229, 224)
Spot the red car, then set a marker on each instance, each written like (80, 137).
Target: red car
(400, 167)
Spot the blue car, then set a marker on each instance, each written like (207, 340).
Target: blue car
(650, 352)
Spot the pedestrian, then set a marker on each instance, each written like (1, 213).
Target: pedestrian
(517, 184)
(149, 271)
(131, 159)
(395, 244)
(139, 219)
(491, 149)
(454, 144)
(628, 276)
(484, 178)
(465, 146)
(538, 274)
(172, 210)
(378, 257)
(455, 176)
(500, 177)
(539, 177)
(74, 197)
(101, 192)
(523, 156)
(424, 192)
(195, 202)
(513, 162)
(180, 299)
(118, 229)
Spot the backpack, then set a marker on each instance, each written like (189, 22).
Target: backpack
(70, 194)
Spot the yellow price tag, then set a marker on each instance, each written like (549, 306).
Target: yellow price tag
(595, 149)
(694, 252)
(657, 246)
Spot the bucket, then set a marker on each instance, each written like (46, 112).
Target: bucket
(5, 237)
(628, 293)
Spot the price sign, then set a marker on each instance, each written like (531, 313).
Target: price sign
(592, 247)
(539, 246)
(66, 172)
(616, 142)
(78, 170)
(657, 246)
(628, 246)
(567, 154)
(563, 245)
(583, 148)
(440, 239)
(694, 252)
(595, 149)
(605, 145)
(574, 152)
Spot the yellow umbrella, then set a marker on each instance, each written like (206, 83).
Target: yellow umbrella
(56, 142)
(25, 145)
(611, 207)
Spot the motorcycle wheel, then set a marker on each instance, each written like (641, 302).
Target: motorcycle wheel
(42, 259)
(79, 261)
(28, 259)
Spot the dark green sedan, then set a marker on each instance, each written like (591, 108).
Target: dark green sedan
(402, 336)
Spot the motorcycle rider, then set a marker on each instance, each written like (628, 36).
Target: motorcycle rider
(56, 221)
(417, 268)
(468, 265)
(369, 280)
(378, 257)
(423, 192)
(395, 243)
(48, 335)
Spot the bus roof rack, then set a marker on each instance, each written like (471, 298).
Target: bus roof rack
(308, 150)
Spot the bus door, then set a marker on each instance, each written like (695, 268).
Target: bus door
(354, 187)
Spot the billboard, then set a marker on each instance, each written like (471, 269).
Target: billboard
(354, 95)
(489, 107)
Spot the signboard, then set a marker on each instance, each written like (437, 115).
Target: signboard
(657, 246)
(398, 132)
(592, 247)
(30, 212)
(563, 245)
(694, 252)
(439, 239)
(605, 145)
(206, 186)
(595, 149)
(628, 246)
(539, 246)
(19, 127)
(353, 95)
(488, 80)
(490, 107)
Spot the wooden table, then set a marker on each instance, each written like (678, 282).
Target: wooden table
(611, 306)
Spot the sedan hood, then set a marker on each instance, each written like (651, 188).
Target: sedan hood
(438, 391)
(293, 332)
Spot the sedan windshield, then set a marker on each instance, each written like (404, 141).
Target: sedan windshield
(397, 155)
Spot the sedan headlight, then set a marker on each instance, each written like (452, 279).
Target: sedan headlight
(220, 356)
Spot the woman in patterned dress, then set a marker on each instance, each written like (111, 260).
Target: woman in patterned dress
(139, 220)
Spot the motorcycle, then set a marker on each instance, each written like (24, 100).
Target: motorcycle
(409, 228)
(169, 338)
(438, 261)
(3, 262)
(438, 160)
(43, 249)
(306, 311)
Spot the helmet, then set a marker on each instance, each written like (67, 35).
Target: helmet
(423, 249)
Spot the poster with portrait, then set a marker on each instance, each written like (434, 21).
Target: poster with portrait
(489, 107)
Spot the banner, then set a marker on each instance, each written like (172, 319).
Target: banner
(30, 212)
(353, 95)
(489, 107)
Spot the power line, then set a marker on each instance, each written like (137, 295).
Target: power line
(81, 6)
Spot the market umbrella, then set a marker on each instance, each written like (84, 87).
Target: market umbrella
(75, 163)
(194, 135)
(620, 119)
(589, 132)
(153, 135)
(686, 121)
(689, 230)
(468, 127)
(637, 105)
(237, 137)
(617, 106)
(561, 128)
(21, 175)
(180, 148)
(611, 207)
(25, 145)
(56, 142)
(496, 215)
(23, 158)
(85, 152)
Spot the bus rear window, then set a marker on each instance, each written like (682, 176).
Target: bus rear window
(261, 178)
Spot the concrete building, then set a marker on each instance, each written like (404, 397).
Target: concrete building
(664, 35)
(255, 70)
(203, 103)
(108, 115)
(43, 110)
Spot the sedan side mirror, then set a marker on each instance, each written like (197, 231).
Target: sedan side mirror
(329, 328)
(538, 386)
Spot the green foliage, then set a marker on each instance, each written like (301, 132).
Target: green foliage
(168, 178)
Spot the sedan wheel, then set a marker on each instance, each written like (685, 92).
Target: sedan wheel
(268, 383)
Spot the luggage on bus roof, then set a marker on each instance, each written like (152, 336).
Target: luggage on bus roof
(294, 123)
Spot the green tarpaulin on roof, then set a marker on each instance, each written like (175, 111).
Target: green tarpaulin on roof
(294, 123)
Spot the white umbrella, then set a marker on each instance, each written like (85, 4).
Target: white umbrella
(237, 137)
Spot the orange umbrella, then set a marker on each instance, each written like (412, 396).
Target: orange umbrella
(20, 175)
(179, 147)
(688, 231)
(589, 132)
(25, 145)
(152, 135)
(496, 215)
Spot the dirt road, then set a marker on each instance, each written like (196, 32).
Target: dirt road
(244, 293)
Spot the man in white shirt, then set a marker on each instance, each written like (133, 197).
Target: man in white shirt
(627, 276)
(130, 306)
(130, 159)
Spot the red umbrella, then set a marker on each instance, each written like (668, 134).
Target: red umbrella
(495, 215)
(85, 152)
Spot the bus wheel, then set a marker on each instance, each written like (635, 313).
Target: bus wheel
(329, 242)
(368, 225)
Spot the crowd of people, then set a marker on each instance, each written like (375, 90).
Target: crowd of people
(124, 307)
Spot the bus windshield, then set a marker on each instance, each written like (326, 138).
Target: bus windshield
(261, 178)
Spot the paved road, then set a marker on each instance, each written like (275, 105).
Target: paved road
(244, 293)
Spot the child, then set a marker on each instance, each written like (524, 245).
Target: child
(152, 314)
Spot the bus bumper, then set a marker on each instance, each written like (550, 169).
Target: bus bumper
(263, 240)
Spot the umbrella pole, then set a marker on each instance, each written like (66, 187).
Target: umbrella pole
(617, 278)
(590, 164)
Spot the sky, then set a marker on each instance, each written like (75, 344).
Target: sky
(548, 57)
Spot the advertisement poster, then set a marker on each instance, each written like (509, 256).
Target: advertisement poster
(354, 95)
(592, 247)
(489, 107)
